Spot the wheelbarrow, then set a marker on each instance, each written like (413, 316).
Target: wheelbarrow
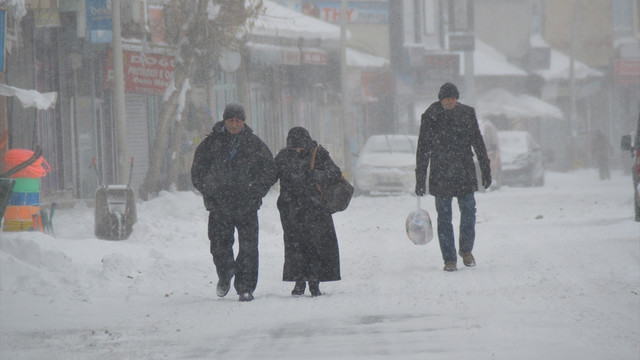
(115, 212)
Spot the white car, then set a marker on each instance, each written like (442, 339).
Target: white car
(522, 162)
(387, 163)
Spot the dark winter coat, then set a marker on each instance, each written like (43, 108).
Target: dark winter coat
(233, 184)
(445, 142)
(311, 244)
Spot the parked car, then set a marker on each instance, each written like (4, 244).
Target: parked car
(386, 163)
(632, 144)
(522, 160)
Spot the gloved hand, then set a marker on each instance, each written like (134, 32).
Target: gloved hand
(421, 188)
(486, 180)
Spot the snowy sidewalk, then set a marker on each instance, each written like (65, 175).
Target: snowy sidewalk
(558, 276)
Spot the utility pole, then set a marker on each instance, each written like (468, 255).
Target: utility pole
(469, 83)
(462, 38)
(118, 94)
(343, 85)
(572, 79)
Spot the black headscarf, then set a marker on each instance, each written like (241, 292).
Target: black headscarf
(299, 137)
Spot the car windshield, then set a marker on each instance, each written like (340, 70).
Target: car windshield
(385, 144)
(512, 142)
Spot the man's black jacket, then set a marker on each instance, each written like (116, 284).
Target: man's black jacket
(446, 140)
(233, 181)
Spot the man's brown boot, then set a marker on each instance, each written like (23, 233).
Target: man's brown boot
(468, 259)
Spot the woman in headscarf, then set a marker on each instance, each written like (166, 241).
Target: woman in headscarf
(310, 242)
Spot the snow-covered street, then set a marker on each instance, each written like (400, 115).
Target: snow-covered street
(558, 277)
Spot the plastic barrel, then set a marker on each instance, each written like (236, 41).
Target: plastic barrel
(20, 218)
(21, 198)
(27, 185)
(15, 157)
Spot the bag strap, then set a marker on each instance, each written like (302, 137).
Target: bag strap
(313, 163)
(313, 157)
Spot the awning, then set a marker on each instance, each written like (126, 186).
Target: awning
(501, 102)
(30, 98)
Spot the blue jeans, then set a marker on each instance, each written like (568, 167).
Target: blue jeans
(467, 205)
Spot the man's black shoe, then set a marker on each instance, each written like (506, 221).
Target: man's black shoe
(223, 287)
(247, 296)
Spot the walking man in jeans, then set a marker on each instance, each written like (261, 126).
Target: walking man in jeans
(448, 132)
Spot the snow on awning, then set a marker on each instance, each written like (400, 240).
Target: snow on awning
(560, 63)
(501, 102)
(279, 21)
(490, 62)
(30, 98)
(361, 59)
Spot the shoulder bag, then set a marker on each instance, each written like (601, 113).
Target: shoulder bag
(336, 197)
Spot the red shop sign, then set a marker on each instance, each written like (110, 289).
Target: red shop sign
(144, 73)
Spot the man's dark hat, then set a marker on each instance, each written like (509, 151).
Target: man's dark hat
(448, 90)
(234, 110)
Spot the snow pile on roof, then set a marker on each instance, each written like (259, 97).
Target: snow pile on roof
(280, 21)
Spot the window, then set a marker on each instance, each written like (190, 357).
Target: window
(430, 17)
(622, 16)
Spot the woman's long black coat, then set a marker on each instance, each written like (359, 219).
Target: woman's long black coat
(310, 241)
(445, 143)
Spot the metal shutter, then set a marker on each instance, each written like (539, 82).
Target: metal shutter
(137, 136)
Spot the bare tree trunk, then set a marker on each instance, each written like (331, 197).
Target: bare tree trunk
(152, 181)
(173, 163)
(191, 29)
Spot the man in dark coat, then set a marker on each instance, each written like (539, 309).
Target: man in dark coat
(310, 241)
(233, 169)
(448, 132)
